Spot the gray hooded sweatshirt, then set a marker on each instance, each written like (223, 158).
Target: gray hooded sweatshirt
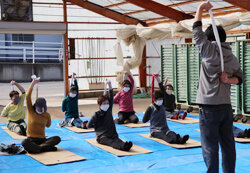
(211, 91)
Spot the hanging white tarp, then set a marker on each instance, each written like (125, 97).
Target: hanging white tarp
(138, 35)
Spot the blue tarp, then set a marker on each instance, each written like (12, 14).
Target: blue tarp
(163, 159)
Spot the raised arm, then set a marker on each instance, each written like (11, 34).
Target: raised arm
(147, 114)
(64, 105)
(205, 46)
(131, 81)
(111, 94)
(18, 86)
(162, 88)
(165, 81)
(75, 83)
(28, 95)
(117, 98)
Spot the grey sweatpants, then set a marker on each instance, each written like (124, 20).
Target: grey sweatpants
(216, 124)
(16, 126)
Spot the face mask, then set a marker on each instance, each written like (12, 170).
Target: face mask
(126, 89)
(72, 95)
(40, 110)
(105, 107)
(16, 100)
(169, 92)
(159, 102)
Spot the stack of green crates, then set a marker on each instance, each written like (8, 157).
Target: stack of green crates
(181, 64)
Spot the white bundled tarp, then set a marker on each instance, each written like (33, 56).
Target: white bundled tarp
(138, 35)
(245, 19)
(230, 21)
(129, 37)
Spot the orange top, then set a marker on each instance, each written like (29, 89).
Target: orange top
(36, 122)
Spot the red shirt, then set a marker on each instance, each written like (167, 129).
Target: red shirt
(125, 99)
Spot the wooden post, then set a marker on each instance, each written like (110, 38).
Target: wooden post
(188, 40)
(72, 48)
(66, 53)
(143, 70)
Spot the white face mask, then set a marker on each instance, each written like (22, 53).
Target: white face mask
(159, 102)
(105, 107)
(72, 95)
(126, 89)
(169, 92)
(38, 110)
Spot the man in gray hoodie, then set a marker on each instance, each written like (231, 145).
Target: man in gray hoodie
(216, 115)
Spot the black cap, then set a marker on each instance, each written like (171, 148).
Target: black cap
(41, 102)
(73, 88)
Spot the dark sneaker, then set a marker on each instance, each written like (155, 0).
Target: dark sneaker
(184, 139)
(240, 135)
(248, 133)
(245, 133)
(128, 145)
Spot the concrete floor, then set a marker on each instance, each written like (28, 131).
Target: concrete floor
(53, 92)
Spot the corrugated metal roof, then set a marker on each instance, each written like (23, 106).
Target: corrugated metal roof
(138, 12)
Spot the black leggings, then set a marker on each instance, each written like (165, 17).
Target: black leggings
(116, 142)
(170, 137)
(38, 145)
(123, 116)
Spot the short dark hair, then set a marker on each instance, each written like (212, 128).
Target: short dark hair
(101, 99)
(157, 95)
(169, 85)
(12, 93)
(126, 82)
(73, 88)
(210, 33)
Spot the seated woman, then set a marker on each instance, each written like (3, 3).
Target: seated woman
(38, 119)
(169, 100)
(104, 124)
(125, 100)
(14, 111)
(158, 123)
(70, 107)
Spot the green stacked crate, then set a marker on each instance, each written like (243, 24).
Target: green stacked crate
(167, 64)
(181, 55)
(246, 70)
(235, 89)
(193, 73)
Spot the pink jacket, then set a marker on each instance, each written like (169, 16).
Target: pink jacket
(125, 99)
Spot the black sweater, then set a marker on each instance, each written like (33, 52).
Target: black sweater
(168, 100)
(103, 121)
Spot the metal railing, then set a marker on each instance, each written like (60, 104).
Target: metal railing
(31, 51)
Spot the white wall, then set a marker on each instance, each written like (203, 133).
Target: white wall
(153, 49)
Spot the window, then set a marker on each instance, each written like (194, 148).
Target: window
(22, 38)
